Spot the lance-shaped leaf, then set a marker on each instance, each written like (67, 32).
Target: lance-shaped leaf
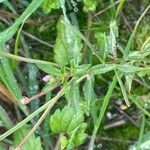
(68, 45)
(49, 69)
(75, 97)
(127, 68)
(122, 88)
(9, 32)
(88, 89)
(102, 68)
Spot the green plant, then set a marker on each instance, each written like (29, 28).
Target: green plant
(77, 63)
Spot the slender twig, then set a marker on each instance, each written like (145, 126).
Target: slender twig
(28, 100)
(116, 123)
(88, 35)
(146, 42)
(139, 20)
(126, 21)
(58, 143)
(37, 39)
(127, 116)
(5, 13)
(104, 10)
(115, 140)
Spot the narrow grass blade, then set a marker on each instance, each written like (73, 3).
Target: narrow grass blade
(122, 89)
(16, 48)
(31, 116)
(135, 101)
(9, 32)
(102, 111)
(8, 124)
(130, 41)
(141, 132)
(28, 60)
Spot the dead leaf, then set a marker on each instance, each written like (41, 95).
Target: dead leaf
(9, 97)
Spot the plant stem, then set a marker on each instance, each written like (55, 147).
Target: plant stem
(19, 125)
(141, 131)
(120, 6)
(131, 39)
(34, 97)
(88, 35)
(28, 60)
(107, 8)
(102, 111)
(55, 99)
(5, 118)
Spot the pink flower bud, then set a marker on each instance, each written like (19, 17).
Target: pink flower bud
(46, 78)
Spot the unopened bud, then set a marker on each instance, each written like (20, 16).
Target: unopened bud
(25, 100)
(46, 78)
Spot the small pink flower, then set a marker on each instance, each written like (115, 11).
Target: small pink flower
(46, 78)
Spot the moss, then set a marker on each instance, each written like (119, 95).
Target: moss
(127, 132)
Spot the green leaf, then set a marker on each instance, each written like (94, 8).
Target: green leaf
(127, 68)
(102, 44)
(8, 77)
(128, 83)
(66, 87)
(103, 109)
(63, 142)
(111, 39)
(79, 139)
(16, 48)
(80, 70)
(89, 93)
(102, 68)
(49, 69)
(74, 96)
(75, 122)
(67, 116)
(90, 5)
(9, 32)
(68, 45)
(65, 121)
(31, 143)
(122, 88)
(77, 136)
(69, 123)
(114, 27)
(55, 120)
(7, 122)
(48, 5)
(2, 1)
(33, 87)
(3, 146)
